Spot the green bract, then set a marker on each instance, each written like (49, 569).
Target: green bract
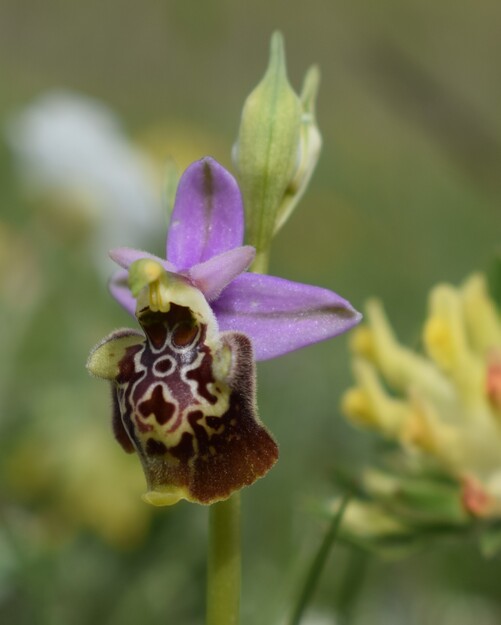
(310, 142)
(277, 149)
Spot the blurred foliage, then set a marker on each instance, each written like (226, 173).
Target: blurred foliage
(407, 193)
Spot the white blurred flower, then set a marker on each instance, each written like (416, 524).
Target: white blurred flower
(74, 145)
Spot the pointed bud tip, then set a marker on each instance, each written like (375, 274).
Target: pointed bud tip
(309, 92)
(277, 64)
(277, 45)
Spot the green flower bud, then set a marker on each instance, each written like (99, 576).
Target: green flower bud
(277, 149)
(310, 143)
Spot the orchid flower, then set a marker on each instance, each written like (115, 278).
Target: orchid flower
(184, 391)
(204, 246)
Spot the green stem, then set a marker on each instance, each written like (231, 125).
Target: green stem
(224, 568)
(317, 565)
(260, 264)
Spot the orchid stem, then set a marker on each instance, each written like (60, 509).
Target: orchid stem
(260, 264)
(317, 565)
(224, 563)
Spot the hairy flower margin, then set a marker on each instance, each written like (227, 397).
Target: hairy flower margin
(184, 391)
(443, 409)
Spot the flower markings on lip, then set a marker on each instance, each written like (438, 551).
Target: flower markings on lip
(204, 245)
(184, 392)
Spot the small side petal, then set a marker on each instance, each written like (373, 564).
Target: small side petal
(207, 218)
(212, 276)
(281, 316)
(125, 256)
(119, 289)
(104, 359)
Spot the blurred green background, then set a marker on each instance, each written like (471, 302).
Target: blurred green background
(407, 193)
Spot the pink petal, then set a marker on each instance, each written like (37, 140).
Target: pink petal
(212, 276)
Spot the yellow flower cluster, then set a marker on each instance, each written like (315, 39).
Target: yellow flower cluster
(444, 405)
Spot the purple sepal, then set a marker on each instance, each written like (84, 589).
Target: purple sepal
(281, 316)
(119, 288)
(207, 218)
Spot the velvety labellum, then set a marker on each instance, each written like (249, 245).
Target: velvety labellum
(186, 404)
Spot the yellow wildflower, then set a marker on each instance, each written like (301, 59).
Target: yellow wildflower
(442, 406)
